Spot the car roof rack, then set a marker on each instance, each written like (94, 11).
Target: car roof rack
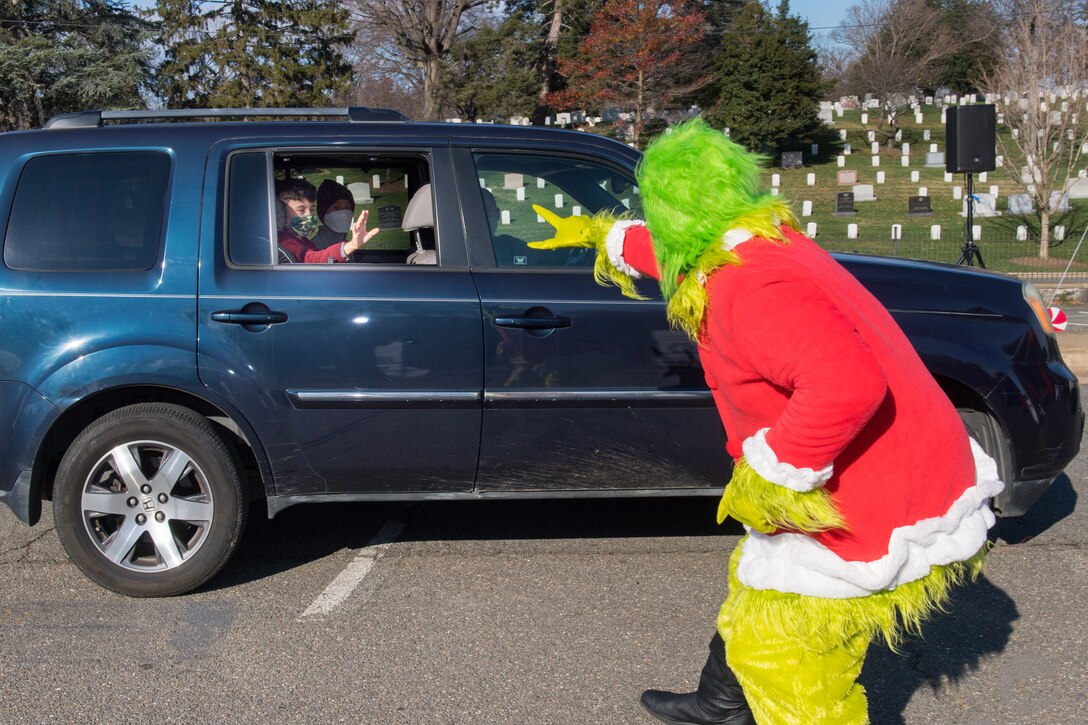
(355, 114)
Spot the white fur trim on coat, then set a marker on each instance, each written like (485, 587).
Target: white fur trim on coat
(613, 245)
(763, 461)
(796, 563)
(735, 236)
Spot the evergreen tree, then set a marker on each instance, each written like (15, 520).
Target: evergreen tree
(59, 56)
(719, 18)
(976, 26)
(494, 71)
(770, 85)
(257, 53)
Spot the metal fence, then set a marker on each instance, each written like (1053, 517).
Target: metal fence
(1066, 256)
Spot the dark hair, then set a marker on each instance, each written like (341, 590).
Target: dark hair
(295, 190)
(329, 193)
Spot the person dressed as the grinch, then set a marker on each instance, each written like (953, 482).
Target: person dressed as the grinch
(864, 499)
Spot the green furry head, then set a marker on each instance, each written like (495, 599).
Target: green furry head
(696, 184)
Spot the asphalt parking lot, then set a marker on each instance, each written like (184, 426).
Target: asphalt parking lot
(503, 612)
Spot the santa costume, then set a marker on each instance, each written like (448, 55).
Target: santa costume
(864, 499)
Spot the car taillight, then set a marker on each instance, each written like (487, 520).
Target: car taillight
(1038, 306)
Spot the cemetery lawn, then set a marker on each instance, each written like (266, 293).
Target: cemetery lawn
(1000, 249)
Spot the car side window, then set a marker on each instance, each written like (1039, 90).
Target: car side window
(95, 212)
(297, 208)
(510, 183)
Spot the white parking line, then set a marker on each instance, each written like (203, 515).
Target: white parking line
(354, 573)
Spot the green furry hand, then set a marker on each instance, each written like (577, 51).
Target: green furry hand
(571, 231)
(766, 506)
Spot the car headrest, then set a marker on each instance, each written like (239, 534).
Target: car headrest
(420, 212)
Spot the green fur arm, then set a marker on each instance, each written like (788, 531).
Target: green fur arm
(766, 506)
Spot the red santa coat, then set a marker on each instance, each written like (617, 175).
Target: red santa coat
(817, 385)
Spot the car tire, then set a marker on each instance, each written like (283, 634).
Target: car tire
(987, 432)
(149, 501)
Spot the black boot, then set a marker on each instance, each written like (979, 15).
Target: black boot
(718, 701)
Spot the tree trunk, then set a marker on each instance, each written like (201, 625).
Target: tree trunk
(636, 131)
(431, 71)
(1044, 233)
(547, 71)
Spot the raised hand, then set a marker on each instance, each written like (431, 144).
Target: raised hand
(359, 235)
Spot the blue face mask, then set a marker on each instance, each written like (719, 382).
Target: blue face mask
(305, 225)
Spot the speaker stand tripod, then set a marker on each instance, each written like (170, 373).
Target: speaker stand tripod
(970, 250)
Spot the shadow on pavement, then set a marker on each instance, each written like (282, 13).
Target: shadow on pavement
(308, 532)
(1058, 502)
(953, 645)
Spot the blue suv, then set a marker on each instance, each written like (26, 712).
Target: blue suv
(165, 361)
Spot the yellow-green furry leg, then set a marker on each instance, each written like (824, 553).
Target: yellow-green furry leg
(798, 657)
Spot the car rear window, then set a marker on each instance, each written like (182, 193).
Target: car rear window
(88, 212)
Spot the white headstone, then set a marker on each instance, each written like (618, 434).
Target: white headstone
(914, 177)
(999, 161)
(957, 192)
(851, 231)
(1059, 233)
(905, 161)
(520, 191)
(1059, 201)
(340, 180)
(846, 149)
(947, 178)
(976, 232)
(934, 159)
(576, 211)
(558, 201)
(376, 181)
(1020, 204)
(982, 177)
(810, 230)
(935, 232)
(539, 219)
(918, 118)
(925, 135)
(993, 191)
(626, 202)
(540, 182)
(841, 161)
(897, 231)
(810, 179)
(899, 135)
(563, 119)
(1077, 188)
(863, 192)
(776, 180)
(875, 147)
(1021, 233)
(360, 192)
(774, 191)
(864, 118)
(985, 206)
(504, 215)
(929, 100)
(880, 177)
(842, 134)
(906, 149)
(923, 191)
(871, 136)
(806, 208)
(943, 116)
(876, 161)
(513, 181)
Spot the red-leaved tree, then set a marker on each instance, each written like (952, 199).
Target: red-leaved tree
(634, 59)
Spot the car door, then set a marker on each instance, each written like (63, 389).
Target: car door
(358, 377)
(584, 389)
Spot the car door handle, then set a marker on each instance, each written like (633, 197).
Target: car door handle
(238, 317)
(533, 323)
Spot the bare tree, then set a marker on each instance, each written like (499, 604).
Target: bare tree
(895, 46)
(1040, 87)
(419, 32)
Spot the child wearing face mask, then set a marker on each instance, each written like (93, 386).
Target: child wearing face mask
(300, 233)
